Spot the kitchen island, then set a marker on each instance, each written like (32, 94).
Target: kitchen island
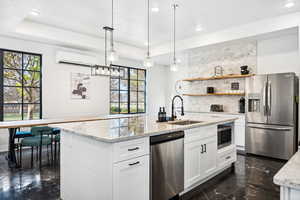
(110, 159)
(288, 178)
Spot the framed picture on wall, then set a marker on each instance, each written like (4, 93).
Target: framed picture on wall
(80, 84)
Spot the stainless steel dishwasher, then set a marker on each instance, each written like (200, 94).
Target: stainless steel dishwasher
(167, 166)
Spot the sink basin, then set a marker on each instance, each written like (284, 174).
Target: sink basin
(185, 122)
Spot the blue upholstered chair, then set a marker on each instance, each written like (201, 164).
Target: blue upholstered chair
(56, 140)
(41, 136)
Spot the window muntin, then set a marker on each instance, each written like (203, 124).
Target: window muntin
(21, 85)
(128, 93)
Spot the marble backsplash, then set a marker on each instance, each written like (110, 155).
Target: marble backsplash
(202, 62)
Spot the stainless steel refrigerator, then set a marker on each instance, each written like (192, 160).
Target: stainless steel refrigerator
(272, 115)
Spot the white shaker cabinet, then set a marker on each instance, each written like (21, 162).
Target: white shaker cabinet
(209, 157)
(200, 152)
(131, 179)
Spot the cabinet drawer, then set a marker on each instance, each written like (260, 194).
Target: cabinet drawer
(200, 133)
(226, 157)
(131, 149)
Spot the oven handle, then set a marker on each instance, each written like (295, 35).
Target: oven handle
(272, 129)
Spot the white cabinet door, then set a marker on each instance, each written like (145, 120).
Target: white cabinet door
(200, 160)
(208, 160)
(131, 179)
(192, 155)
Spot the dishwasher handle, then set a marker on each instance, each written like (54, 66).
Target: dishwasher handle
(166, 137)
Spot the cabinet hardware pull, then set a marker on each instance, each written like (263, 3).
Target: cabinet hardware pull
(131, 164)
(134, 149)
(228, 157)
(202, 149)
(205, 148)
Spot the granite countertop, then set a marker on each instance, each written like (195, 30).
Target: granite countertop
(289, 174)
(117, 130)
(217, 113)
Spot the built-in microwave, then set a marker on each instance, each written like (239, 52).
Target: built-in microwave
(225, 135)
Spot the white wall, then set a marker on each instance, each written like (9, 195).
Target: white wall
(274, 55)
(277, 55)
(56, 86)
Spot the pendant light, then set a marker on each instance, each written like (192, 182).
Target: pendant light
(174, 64)
(148, 61)
(112, 54)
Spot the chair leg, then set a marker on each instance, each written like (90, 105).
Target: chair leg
(21, 156)
(51, 153)
(37, 153)
(40, 156)
(32, 157)
(55, 143)
(48, 154)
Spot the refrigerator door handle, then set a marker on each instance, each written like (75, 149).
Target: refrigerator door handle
(265, 98)
(270, 128)
(269, 98)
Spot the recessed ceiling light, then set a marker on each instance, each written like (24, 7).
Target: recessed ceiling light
(199, 28)
(155, 9)
(146, 43)
(289, 4)
(35, 12)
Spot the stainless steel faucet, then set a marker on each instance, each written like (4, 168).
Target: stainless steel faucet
(173, 110)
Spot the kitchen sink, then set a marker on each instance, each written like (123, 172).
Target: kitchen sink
(185, 122)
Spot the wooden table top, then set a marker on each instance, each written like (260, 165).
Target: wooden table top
(45, 122)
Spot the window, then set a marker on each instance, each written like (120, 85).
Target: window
(128, 93)
(20, 84)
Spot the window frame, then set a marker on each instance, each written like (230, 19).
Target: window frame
(2, 86)
(128, 91)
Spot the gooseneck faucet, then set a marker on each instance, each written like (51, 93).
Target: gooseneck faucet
(173, 111)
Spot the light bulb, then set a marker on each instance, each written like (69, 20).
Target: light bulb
(148, 62)
(102, 71)
(174, 67)
(107, 72)
(113, 56)
(97, 70)
(289, 4)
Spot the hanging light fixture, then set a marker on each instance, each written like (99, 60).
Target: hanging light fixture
(112, 54)
(148, 61)
(174, 64)
(107, 70)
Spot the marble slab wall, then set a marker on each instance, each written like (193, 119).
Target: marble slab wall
(202, 62)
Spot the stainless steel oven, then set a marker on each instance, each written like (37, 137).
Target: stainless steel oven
(225, 135)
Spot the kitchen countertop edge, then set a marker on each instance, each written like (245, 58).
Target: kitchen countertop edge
(122, 139)
(288, 175)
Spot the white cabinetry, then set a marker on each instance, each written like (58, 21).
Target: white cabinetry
(239, 128)
(95, 170)
(200, 152)
(131, 179)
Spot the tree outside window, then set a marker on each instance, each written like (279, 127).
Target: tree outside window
(21, 85)
(128, 93)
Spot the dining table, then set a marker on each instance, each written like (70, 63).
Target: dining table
(13, 126)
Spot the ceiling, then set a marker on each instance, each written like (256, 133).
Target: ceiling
(89, 16)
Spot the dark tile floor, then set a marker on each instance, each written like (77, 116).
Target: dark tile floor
(252, 179)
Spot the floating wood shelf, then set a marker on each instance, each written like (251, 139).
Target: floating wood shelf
(215, 94)
(218, 77)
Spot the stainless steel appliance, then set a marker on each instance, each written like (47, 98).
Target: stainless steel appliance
(167, 165)
(224, 135)
(216, 108)
(272, 115)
